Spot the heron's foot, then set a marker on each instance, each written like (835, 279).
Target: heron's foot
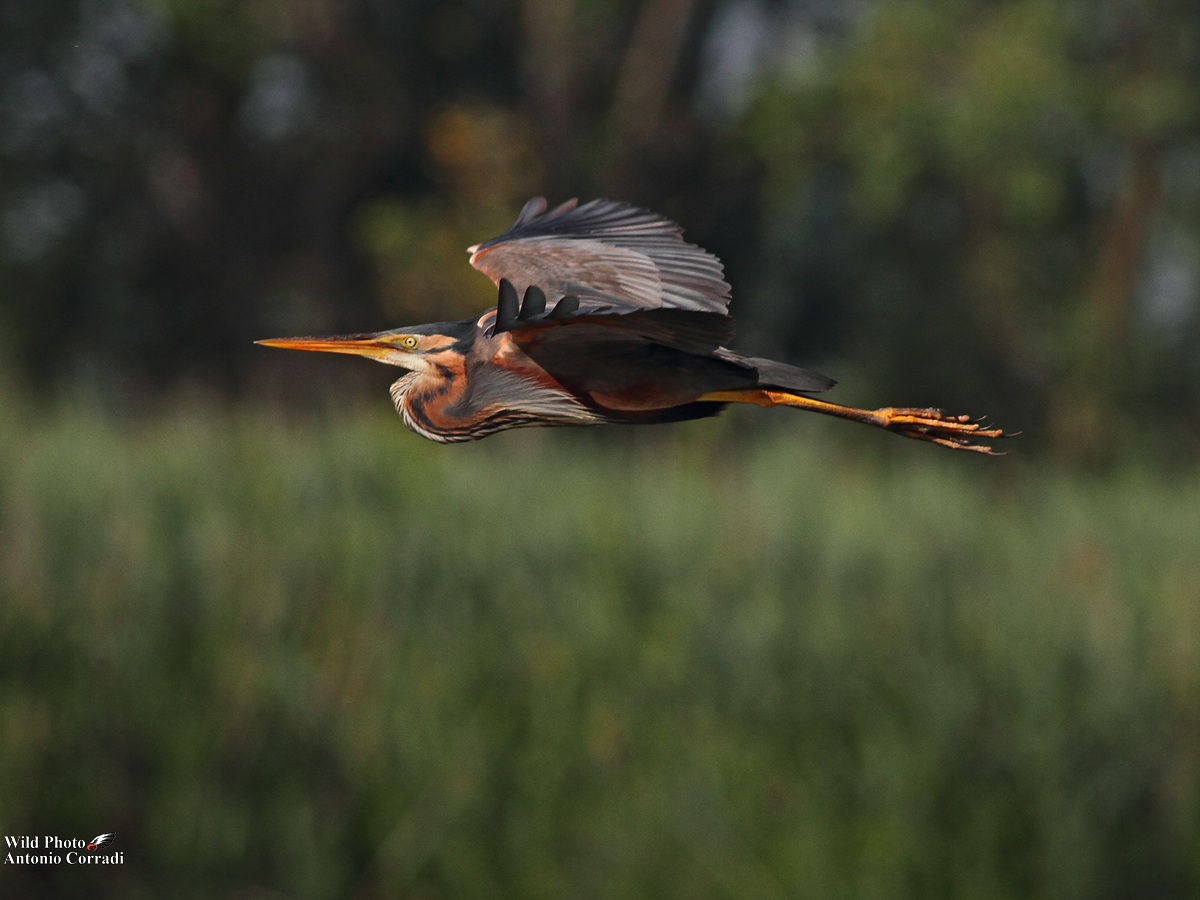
(939, 427)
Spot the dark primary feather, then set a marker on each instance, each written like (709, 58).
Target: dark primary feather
(534, 306)
(507, 306)
(608, 254)
(565, 307)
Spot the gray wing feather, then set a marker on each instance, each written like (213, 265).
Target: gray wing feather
(606, 253)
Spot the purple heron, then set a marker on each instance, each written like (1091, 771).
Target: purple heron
(605, 315)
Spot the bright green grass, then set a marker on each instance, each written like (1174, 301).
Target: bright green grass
(329, 659)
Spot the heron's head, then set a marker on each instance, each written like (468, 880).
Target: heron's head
(418, 348)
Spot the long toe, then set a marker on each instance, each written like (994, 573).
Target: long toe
(938, 427)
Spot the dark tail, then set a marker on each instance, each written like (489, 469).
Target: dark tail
(780, 376)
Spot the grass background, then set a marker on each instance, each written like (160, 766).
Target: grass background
(763, 656)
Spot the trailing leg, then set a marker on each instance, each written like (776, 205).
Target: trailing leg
(921, 424)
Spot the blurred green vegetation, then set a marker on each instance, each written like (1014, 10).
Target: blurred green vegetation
(319, 657)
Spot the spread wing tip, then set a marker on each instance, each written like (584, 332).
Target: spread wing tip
(530, 309)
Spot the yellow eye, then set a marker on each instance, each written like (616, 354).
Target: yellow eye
(409, 342)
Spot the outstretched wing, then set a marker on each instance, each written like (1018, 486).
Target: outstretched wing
(531, 319)
(610, 256)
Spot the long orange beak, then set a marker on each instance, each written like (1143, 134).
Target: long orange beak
(357, 344)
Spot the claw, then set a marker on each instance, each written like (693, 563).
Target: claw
(938, 427)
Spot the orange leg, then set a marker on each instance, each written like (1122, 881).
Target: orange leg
(933, 425)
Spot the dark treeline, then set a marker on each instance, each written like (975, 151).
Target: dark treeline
(995, 207)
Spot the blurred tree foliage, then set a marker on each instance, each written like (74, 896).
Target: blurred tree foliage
(993, 206)
(1021, 182)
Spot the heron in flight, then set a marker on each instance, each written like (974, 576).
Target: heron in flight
(605, 315)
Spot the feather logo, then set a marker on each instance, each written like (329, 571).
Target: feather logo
(100, 840)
